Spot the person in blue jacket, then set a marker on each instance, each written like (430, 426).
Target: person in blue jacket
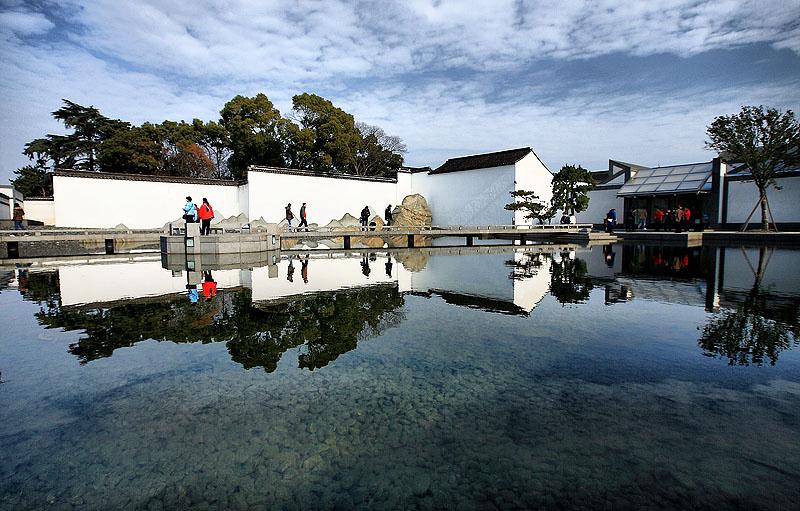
(189, 211)
(611, 220)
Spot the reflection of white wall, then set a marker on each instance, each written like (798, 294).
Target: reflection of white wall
(324, 274)
(743, 195)
(42, 210)
(780, 275)
(528, 292)
(99, 202)
(95, 283)
(327, 198)
(477, 275)
(600, 264)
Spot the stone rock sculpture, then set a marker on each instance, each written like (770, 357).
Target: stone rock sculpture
(412, 212)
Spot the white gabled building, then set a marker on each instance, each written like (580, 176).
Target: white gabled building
(469, 190)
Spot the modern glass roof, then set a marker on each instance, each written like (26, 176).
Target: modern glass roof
(691, 178)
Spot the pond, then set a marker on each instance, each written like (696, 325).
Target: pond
(491, 377)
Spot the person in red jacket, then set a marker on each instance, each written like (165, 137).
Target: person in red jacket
(206, 213)
(658, 216)
(209, 286)
(687, 216)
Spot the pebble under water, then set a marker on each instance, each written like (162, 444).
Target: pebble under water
(618, 377)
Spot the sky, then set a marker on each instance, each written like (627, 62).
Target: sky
(581, 82)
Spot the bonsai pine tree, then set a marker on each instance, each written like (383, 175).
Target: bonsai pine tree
(531, 205)
(571, 186)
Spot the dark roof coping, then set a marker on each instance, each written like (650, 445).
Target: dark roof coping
(142, 177)
(602, 177)
(484, 161)
(38, 198)
(314, 173)
(414, 170)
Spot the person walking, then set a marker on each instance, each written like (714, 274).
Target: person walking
(643, 219)
(304, 269)
(289, 215)
(678, 218)
(364, 218)
(687, 218)
(189, 211)
(303, 221)
(611, 220)
(19, 216)
(658, 218)
(388, 215)
(209, 285)
(206, 214)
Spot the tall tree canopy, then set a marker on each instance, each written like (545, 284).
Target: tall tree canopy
(765, 139)
(258, 133)
(327, 138)
(571, 186)
(250, 131)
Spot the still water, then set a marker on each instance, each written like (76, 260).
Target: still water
(610, 377)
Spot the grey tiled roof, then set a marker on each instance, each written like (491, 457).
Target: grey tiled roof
(483, 161)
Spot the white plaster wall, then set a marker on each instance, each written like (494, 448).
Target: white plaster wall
(104, 203)
(243, 202)
(784, 203)
(600, 201)
(468, 197)
(530, 174)
(5, 208)
(41, 210)
(405, 186)
(326, 198)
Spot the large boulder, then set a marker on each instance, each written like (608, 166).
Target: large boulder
(412, 261)
(413, 211)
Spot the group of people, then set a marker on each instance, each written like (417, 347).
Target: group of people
(203, 213)
(303, 216)
(209, 288)
(363, 219)
(679, 219)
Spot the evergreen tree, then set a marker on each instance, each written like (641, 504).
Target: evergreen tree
(571, 186)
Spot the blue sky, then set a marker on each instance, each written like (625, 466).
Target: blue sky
(580, 82)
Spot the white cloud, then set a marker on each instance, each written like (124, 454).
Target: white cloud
(24, 23)
(158, 59)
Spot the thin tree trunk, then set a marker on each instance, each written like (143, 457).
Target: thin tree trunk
(764, 218)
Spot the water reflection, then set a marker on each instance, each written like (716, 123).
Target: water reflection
(343, 299)
(761, 324)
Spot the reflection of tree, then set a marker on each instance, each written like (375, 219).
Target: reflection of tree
(329, 324)
(528, 266)
(750, 334)
(569, 279)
